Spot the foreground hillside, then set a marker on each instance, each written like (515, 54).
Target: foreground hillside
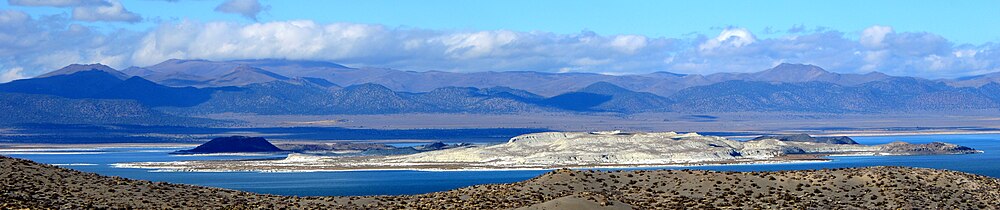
(25, 184)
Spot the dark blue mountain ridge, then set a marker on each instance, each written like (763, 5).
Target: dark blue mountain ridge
(22, 108)
(266, 92)
(991, 90)
(741, 95)
(276, 97)
(244, 75)
(607, 97)
(283, 97)
(100, 83)
(507, 92)
(975, 81)
(176, 72)
(372, 98)
(201, 73)
(576, 101)
(542, 83)
(320, 82)
(891, 95)
(475, 100)
(197, 74)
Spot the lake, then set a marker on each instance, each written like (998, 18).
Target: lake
(415, 182)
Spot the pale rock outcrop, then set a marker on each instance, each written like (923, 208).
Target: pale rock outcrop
(577, 149)
(619, 148)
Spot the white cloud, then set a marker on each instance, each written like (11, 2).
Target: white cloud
(730, 37)
(286, 39)
(13, 17)
(937, 62)
(590, 62)
(629, 43)
(873, 59)
(418, 49)
(873, 37)
(965, 53)
(58, 3)
(12, 74)
(43, 44)
(479, 44)
(113, 13)
(247, 8)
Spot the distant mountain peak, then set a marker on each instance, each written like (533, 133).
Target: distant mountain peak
(604, 88)
(798, 68)
(796, 65)
(250, 70)
(789, 72)
(245, 75)
(318, 81)
(975, 81)
(667, 73)
(496, 90)
(177, 60)
(74, 68)
(286, 62)
(137, 71)
(876, 73)
(368, 87)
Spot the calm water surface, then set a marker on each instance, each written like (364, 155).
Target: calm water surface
(414, 182)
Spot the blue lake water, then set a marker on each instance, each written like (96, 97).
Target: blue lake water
(414, 182)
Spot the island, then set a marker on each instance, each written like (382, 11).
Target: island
(233, 144)
(246, 144)
(807, 138)
(549, 150)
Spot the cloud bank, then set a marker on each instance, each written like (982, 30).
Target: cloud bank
(87, 10)
(114, 12)
(247, 8)
(58, 3)
(31, 46)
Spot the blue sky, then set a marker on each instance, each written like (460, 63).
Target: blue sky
(960, 21)
(938, 39)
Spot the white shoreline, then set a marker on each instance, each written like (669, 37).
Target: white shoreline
(633, 167)
(52, 153)
(248, 154)
(73, 164)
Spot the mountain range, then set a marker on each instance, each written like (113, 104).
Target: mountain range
(201, 73)
(195, 87)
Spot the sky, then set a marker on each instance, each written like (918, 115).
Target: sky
(932, 39)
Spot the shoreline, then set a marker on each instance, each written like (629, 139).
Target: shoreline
(791, 159)
(874, 133)
(57, 146)
(434, 169)
(857, 133)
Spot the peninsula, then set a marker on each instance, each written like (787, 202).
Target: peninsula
(577, 150)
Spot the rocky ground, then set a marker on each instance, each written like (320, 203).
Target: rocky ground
(25, 184)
